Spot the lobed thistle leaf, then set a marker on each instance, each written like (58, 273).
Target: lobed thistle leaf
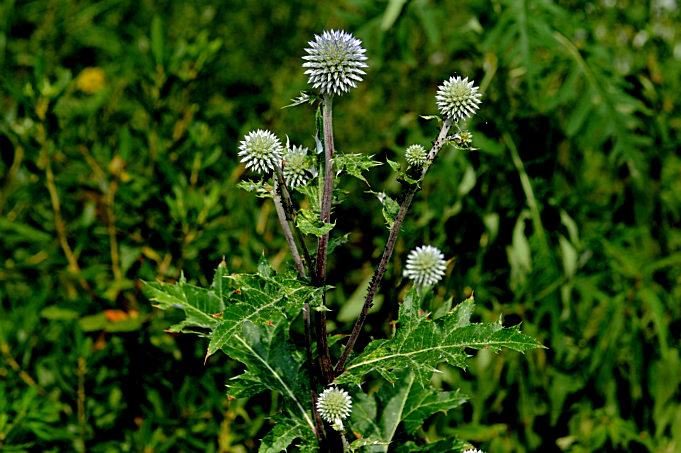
(295, 167)
(416, 156)
(335, 61)
(261, 150)
(457, 98)
(426, 265)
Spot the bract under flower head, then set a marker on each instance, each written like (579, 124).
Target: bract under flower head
(335, 62)
(334, 405)
(295, 167)
(426, 265)
(416, 155)
(457, 98)
(261, 150)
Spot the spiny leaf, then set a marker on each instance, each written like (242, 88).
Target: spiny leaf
(199, 304)
(354, 164)
(261, 189)
(266, 354)
(284, 432)
(420, 343)
(308, 222)
(390, 208)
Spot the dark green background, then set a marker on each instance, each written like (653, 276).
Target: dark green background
(566, 219)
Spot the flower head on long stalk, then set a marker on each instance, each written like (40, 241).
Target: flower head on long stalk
(335, 61)
(457, 98)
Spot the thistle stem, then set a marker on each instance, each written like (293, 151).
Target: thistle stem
(287, 229)
(319, 277)
(389, 247)
(290, 213)
(325, 215)
(286, 216)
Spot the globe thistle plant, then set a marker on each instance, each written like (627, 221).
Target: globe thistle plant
(457, 98)
(426, 265)
(334, 61)
(473, 450)
(334, 405)
(261, 150)
(416, 156)
(295, 167)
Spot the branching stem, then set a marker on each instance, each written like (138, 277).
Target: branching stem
(392, 239)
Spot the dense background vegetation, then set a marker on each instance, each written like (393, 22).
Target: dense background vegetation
(119, 127)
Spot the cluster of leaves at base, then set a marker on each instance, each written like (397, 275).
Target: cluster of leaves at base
(249, 318)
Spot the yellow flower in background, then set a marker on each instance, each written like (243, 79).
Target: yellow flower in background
(91, 80)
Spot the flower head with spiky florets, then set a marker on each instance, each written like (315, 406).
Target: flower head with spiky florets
(473, 450)
(261, 150)
(295, 167)
(426, 265)
(335, 61)
(457, 98)
(416, 156)
(334, 405)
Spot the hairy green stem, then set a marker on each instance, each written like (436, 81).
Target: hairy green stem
(389, 247)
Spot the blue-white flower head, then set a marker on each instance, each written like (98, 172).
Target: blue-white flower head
(296, 167)
(261, 150)
(334, 61)
(416, 156)
(426, 265)
(334, 405)
(473, 450)
(457, 98)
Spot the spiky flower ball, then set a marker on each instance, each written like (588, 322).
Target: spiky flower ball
(261, 150)
(457, 98)
(335, 62)
(416, 156)
(295, 167)
(334, 405)
(426, 265)
(473, 450)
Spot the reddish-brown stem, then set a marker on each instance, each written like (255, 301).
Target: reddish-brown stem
(387, 253)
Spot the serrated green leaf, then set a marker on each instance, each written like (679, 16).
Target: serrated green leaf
(424, 402)
(261, 189)
(284, 432)
(420, 343)
(354, 164)
(199, 304)
(267, 354)
(263, 298)
(390, 208)
(312, 193)
(308, 222)
(305, 97)
(394, 165)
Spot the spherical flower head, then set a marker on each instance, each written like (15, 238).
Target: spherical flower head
(457, 98)
(335, 62)
(473, 450)
(295, 167)
(334, 405)
(426, 265)
(416, 156)
(261, 150)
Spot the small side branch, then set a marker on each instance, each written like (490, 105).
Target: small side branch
(389, 247)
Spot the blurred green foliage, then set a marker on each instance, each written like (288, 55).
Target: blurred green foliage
(119, 127)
